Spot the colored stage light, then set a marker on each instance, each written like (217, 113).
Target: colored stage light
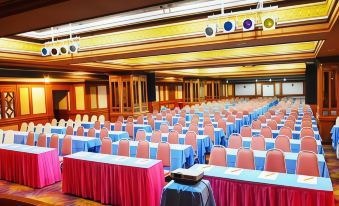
(268, 23)
(248, 25)
(229, 26)
(211, 30)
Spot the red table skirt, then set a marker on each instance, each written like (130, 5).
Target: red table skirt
(234, 193)
(33, 170)
(113, 184)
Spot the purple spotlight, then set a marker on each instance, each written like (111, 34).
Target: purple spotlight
(247, 24)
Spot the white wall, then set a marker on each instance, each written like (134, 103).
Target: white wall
(292, 88)
(267, 90)
(244, 89)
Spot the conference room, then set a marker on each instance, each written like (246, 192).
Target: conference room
(169, 102)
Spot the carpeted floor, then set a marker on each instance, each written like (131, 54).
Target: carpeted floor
(333, 167)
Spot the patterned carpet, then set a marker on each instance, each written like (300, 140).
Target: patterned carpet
(53, 195)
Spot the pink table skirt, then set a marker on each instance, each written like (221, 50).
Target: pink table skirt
(233, 193)
(33, 170)
(113, 184)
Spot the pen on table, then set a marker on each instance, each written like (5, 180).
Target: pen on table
(235, 170)
(267, 175)
(309, 178)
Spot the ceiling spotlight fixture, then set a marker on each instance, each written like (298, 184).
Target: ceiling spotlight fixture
(284, 79)
(45, 51)
(248, 24)
(63, 49)
(270, 80)
(226, 81)
(55, 51)
(268, 23)
(256, 80)
(229, 26)
(211, 30)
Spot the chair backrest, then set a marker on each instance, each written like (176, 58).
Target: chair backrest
(271, 111)
(103, 133)
(120, 119)
(169, 119)
(256, 124)
(262, 119)
(222, 124)
(231, 119)
(164, 128)
(69, 130)
(130, 129)
(182, 121)
(266, 132)
(66, 145)
(140, 119)
(235, 141)
(217, 116)
(151, 122)
(141, 135)
(239, 115)
(48, 128)
(245, 159)
(277, 119)
(306, 131)
(272, 124)
(23, 127)
(173, 137)
(156, 136)
(106, 146)
(42, 140)
(62, 123)
(267, 115)
(123, 148)
(282, 142)
(101, 118)
(178, 128)
(130, 119)
(306, 123)
(246, 131)
(191, 139)
(91, 132)
(158, 117)
(290, 124)
(78, 117)
(164, 153)
(30, 139)
(69, 123)
(143, 150)
(94, 118)
(54, 122)
(38, 128)
(118, 126)
(107, 125)
(193, 128)
(258, 143)
(286, 131)
(206, 122)
(309, 143)
(54, 143)
(85, 118)
(218, 156)
(209, 131)
(97, 125)
(307, 164)
(9, 137)
(275, 161)
(30, 127)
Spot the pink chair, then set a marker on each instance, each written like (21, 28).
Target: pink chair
(123, 147)
(69, 130)
(143, 149)
(256, 124)
(140, 119)
(206, 122)
(169, 118)
(54, 143)
(262, 119)
(246, 131)
(286, 131)
(245, 112)
(283, 111)
(277, 119)
(120, 119)
(306, 123)
(42, 140)
(97, 125)
(218, 156)
(290, 124)
(80, 131)
(156, 136)
(177, 127)
(209, 131)
(271, 111)
(141, 135)
(245, 159)
(91, 132)
(275, 161)
(130, 129)
(107, 124)
(193, 128)
(309, 144)
(164, 154)
(158, 117)
(239, 115)
(182, 121)
(268, 115)
(66, 145)
(282, 142)
(150, 121)
(118, 126)
(258, 143)
(30, 139)
(307, 164)
(306, 131)
(235, 141)
(231, 119)
(173, 137)
(222, 124)
(266, 132)
(164, 128)
(191, 139)
(217, 116)
(272, 124)
(130, 119)
(106, 146)
(103, 133)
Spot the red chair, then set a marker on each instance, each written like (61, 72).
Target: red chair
(283, 111)
(258, 143)
(290, 124)
(164, 128)
(218, 156)
(107, 125)
(193, 128)
(169, 119)
(54, 143)
(286, 131)
(30, 139)
(150, 121)
(267, 115)
(217, 116)
(140, 119)
(307, 164)
(69, 130)
(103, 133)
(209, 131)
(309, 144)
(42, 140)
(156, 136)
(306, 123)
(66, 145)
(164, 154)
(91, 132)
(271, 111)
(130, 119)
(120, 119)
(245, 112)
(231, 119)
(182, 121)
(235, 141)
(246, 131)
(177, 127)
(158, 117)
(191, 139)
(80, 131)
(222, 124)
(306, 131)
(245, 159)
(106, 146)
(207, 122)
(173, 137)
(272, 124)
(266, 132)
(97, 125)
(262, 119)
(256, 124)
(195, 119)
(143, 149)
(239, 115)
(277, 119)
(118, 126)
(123, 147)
(130, 129)
(141, 135)
(275, 161)
(282, 142)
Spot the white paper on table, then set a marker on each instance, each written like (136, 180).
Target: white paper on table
(307, 179)
(268, 175)
(233, 171)
(142, 161)
(79, 154)
(100, 156)
(121, 159)
(204, 168)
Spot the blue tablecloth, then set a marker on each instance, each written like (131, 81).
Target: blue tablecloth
(181, 155)
(335, 136)
(295, 134)
(145, 127)
(199, 194)
(57, 130)
(114, 135)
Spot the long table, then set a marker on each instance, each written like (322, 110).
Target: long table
(32, 166)
(295, 134)
(335, 136)
(114, 135)
(113, 180)
(252, 187)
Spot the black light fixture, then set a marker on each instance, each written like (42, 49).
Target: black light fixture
(211, 30)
